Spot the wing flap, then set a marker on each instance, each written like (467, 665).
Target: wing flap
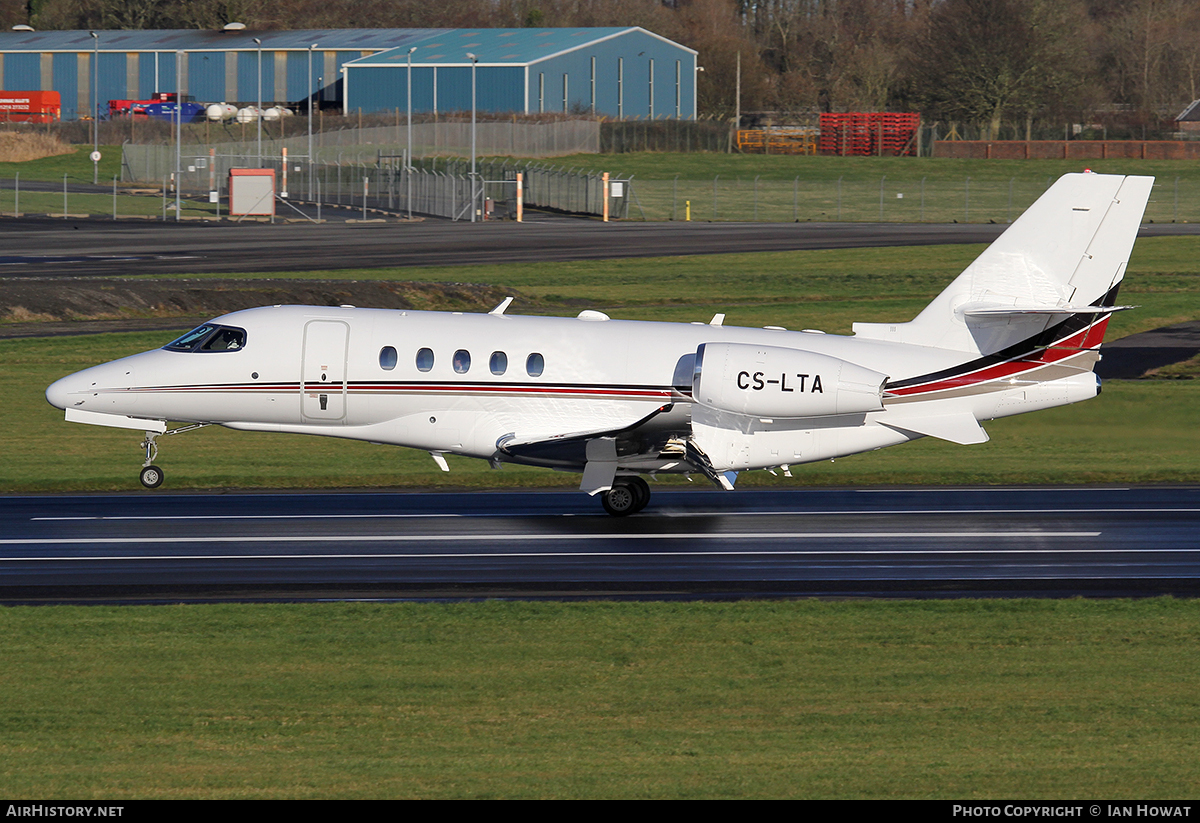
(961, 428)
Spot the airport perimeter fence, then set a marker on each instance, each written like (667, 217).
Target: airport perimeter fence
(441, 187)
(882, 200)
(436, 186)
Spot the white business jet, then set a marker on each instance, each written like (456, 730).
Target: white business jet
(1018, 330)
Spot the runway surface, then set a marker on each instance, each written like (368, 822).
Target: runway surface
(687, 544)
(78, 248)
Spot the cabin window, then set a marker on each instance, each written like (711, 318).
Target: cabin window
(387, 358)
(210, 337)
(499, 362)
(424, 359)
(462, 361)
(535, 364)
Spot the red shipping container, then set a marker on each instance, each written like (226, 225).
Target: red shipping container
(30, 106)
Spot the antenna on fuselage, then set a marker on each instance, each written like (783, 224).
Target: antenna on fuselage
(499, 310)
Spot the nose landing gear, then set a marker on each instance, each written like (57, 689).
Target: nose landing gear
(151, 475)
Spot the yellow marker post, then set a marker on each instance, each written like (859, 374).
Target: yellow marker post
(687, 212)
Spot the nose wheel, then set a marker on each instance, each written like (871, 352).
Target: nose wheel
(151, 475)
(628, 495)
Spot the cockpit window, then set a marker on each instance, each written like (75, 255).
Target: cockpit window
(210, 337)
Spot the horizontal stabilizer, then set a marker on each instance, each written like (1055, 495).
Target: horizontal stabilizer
(1018, 311)
(117, 421)
(961, 428)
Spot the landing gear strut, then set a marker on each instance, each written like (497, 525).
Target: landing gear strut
(151, 475)
(628, 495)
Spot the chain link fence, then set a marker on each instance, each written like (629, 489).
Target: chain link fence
(439, 187)
(886, 199)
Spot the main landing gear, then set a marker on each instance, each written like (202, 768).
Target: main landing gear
(628, 495)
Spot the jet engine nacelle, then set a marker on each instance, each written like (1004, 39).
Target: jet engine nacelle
(770, 381)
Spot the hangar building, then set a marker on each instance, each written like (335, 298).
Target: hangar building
(619, 72)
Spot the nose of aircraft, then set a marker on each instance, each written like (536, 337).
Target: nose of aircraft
(60, 391)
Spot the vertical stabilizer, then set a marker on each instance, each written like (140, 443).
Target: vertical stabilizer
(1065, 255)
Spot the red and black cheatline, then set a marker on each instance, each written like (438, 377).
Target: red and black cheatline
(1079, 332)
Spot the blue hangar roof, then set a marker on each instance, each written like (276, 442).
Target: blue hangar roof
(498, 47)
(203, 40)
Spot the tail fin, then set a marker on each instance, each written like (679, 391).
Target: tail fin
(1065, 256)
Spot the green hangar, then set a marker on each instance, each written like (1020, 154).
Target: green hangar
(616, 72)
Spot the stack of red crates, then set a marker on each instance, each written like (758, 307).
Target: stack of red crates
(869, 133)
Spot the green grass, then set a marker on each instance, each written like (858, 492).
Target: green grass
(100, 205)
(824, 289)
(77, 166)
(810, 188)
(952, 700)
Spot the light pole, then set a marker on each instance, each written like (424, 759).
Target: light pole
(258, 113)
(95, 108)
(311, 99)
(179, 58)
(474, 62)
(408, 163)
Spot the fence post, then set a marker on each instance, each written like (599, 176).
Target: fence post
(1010, 185)
(715, 179)
(114, 197)
(521, 197)
(1176, 220)
(881, 179)
(604, 181)
(840, 199)
(675, 198)
(796, 200)
(17, 197)
(967, 202)
(922, 199)
(64, 196)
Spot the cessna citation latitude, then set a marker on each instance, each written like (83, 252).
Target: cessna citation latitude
(1019, 330)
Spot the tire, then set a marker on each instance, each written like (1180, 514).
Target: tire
(620, 500)
(642, 490)
(152, 477)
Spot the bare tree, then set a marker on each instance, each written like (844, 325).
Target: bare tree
(980, 60)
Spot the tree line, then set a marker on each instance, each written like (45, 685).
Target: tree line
(1005, 68)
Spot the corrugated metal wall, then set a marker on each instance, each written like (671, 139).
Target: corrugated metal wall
(634, 74)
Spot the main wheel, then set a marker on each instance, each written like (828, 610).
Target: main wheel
(641, 490)
(152, 477)
(620, 500)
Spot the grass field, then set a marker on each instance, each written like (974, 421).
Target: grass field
(958, 699)
(743, 187)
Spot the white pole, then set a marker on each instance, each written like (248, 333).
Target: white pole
(179, 58)
(474, 62)
(311, 99)
(258, 43)
(95, 108)
(408, 163)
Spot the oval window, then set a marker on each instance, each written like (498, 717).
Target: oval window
(499, 362)
(424, 359)
(387, 358)
(535, 364)
(462, 361)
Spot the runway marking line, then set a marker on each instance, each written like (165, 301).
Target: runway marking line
(662, 513)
